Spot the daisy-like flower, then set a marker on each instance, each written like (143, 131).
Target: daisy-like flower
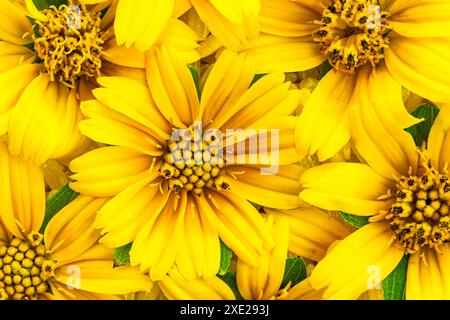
(51, 59)
(403, 43)
(178, 194)
(405, 191)
(264, 281)
(66, 261)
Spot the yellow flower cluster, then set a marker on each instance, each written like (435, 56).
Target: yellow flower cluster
(224, 149)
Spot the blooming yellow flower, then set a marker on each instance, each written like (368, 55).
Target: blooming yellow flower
(260, 282)
(384, 44)
(52, 63)
(66, 262)
(406, 192)
(172, 199)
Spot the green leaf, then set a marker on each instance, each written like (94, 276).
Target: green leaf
(41, 4)
(256, 78)
(394, 285)
(197, 79)
(324, 68)
(122, 255)
(230, 279)
(225, 258)
(294, 271)
(421, 131)
(56, 201)
(45, 4)
(355, 221)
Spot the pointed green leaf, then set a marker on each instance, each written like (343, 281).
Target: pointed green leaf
(225, 258)
(421, 131)
(41, 4)
(230, 279)
(56, 201)
(122, 255)
(294, 271)
(197, 79)
(256, 78)
(395, 283)
(324, 68)
(355, 221)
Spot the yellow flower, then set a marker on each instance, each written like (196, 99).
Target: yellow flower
(375, 46)
(260, 282)
(66, 262)
(178, 198)
(405, 191)
(49, 65)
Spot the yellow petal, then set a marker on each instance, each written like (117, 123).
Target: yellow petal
(12, 55)
(271, 53)
(138, 105)
(141, 22)
(238, 224)
(232, 35)
(163, 234)
(42, 131)
(323, 125)
(235, 10)
(269, 99)
(287, 18)
(172, 86)
(99, 276)
(357, 263)
(182, 38)
(427, 278)
(311, 230)
(438, 145)
(60, 291)
(14, 82)
(263, 281)
(105, 125)
(420, 65)
(199, 253)
(64, 237)
(121, 55)
(228, 80)
(22, 195)
(107, 171)
(303, 291)
(277, 190)
(423, 19)
(349, 187)
(377, 120)
(14, 24)
(176, 287)
(122, 218)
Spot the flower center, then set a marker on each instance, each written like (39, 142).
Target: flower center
(193, 162)
(69, 43)
(25, 268)
(353, 33)
(420, 215)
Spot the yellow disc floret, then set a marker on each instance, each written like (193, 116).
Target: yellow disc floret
(69, 43)
(193, 163)
(353, 33)
(420, 215)
(25, 268)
